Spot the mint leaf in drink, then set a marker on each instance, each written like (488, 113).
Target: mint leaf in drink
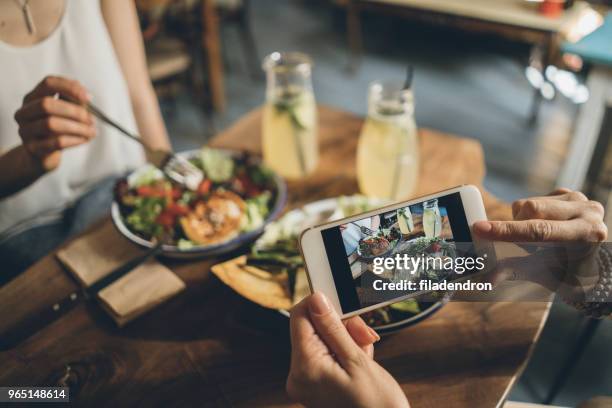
(288, 103)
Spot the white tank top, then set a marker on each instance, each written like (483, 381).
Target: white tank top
(79, 48)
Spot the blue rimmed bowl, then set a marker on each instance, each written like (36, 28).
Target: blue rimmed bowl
(202, 251)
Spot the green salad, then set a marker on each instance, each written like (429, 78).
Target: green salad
(236, 195)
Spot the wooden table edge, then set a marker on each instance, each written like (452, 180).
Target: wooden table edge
(530, 351)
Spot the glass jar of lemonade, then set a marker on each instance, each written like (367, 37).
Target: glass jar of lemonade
(388, 149)
(432, 221)
(405, 221)
(289, 129)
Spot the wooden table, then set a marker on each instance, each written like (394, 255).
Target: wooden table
(210, 346)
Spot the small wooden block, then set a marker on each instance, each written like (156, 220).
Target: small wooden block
(96, 254)
(102, 250)
(139, 291)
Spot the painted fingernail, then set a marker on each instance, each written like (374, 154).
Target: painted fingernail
(319, 304)
(375, 336)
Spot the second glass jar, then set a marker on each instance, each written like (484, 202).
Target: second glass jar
(388, 149)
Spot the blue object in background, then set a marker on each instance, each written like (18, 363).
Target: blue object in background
(595, 47)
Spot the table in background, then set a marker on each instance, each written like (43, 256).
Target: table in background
(210, 346)
(517, 20)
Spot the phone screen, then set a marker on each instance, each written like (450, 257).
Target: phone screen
(375, 258)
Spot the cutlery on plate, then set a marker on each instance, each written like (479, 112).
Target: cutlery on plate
(176, 167)
(364, 230)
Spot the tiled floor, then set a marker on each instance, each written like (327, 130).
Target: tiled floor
(592, 375)
(465, 84)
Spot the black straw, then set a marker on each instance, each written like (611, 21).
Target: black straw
(409, 77)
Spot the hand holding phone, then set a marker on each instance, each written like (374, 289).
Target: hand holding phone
(383, 256)
(331, 366)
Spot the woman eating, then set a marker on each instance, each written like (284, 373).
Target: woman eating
(57, 164)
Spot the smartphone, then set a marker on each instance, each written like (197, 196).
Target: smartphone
(367, 261)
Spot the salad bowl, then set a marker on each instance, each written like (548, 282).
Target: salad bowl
(141, 209)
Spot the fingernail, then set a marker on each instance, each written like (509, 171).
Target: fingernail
(483, 226)
(375, 336)
(319, 304)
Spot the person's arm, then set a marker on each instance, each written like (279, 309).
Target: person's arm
(122, 23)
(18, 169)
(47, 125)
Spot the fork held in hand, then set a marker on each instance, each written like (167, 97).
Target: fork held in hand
(176, 167)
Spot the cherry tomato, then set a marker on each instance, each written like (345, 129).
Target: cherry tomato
(204, 187)
(177, 209)
(166, 219)
(176, 193)
(148, 191)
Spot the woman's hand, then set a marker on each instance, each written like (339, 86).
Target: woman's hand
(564, 215)
(48, 124)
(331, 362)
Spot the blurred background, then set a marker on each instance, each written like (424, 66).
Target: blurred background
(530, 80)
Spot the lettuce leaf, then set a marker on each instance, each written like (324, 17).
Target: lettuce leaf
(217, 165)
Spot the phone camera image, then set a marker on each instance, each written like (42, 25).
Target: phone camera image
(406, 250)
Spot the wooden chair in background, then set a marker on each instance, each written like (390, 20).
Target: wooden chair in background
(182, 44)
(182, 36)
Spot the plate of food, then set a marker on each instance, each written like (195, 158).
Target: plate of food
(232, 205)
(272, 274)
(380, 243)
(373, 246)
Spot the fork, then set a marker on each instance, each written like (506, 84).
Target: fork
(364, 230)
(174, 166)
